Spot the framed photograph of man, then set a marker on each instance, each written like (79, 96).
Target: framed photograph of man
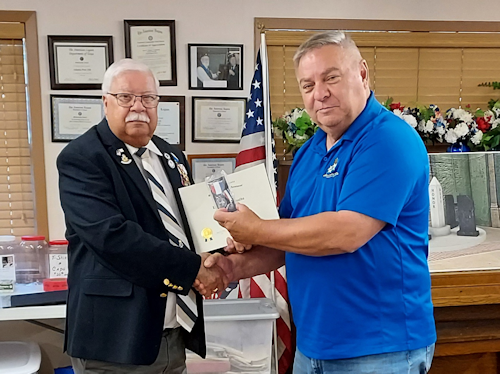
(153, 43)
(215, 66)
(78, 62)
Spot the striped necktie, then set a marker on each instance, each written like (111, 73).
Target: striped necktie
(186, 310)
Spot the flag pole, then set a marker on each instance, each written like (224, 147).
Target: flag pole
(269, 166)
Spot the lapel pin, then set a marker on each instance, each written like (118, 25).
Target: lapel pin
(175, 157)
(171, 164)
(125, 159)
(119, 151)
(167, 156)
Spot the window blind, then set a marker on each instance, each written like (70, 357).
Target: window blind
(442, 68)
(16, 185)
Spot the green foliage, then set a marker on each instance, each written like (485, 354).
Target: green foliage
(296, 127)
(495, 85)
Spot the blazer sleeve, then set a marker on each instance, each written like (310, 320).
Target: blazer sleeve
(92, 212)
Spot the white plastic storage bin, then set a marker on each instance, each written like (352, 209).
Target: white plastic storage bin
(19, 358)
(239, 336)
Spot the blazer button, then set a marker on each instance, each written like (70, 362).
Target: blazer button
(166, 281)
(180, 288)
(163, 295)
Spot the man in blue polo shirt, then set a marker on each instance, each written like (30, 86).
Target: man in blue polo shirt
(354, 226)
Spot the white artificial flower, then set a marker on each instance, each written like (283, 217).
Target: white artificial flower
(440, 130)
(495, 123)
(461, 129)
(462, 115)
(296, 113)
(497, 112)
(489, 114)
(429, 126)
(398, 113)
(451, 136)
(302, 137)
(412, 121)
(476, 139)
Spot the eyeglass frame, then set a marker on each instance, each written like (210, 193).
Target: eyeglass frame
(115, 95)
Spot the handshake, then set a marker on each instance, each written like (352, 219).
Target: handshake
(217, 271)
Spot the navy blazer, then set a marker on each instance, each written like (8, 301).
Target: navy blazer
(120, 258)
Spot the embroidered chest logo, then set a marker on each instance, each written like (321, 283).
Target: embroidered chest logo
(330, 172)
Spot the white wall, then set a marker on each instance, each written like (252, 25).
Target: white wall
(201, 21)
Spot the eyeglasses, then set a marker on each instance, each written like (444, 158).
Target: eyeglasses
(127, 100)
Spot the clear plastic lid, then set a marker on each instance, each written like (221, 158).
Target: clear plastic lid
(7, 238)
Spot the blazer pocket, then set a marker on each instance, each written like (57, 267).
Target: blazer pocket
(107, 287)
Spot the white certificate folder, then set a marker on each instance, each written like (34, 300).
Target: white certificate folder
(250, 187)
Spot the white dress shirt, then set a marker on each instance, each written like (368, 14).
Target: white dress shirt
(155, 154)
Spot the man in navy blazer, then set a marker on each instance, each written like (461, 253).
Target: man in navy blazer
(126, 269)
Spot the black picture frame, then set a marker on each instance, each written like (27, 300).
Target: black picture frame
(219, 67)
(78, 42)
(155, 28)
(80, 123)
(225, 108)
(181, 100)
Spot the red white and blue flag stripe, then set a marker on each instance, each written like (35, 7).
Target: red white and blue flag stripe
(256, 147)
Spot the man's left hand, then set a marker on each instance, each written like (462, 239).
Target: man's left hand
(243, 224)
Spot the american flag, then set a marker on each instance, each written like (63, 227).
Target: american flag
(257, 147)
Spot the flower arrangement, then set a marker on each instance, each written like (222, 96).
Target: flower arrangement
(296, 127)
(488, 122)
(455, 126)
(461, 127)
(428, 121)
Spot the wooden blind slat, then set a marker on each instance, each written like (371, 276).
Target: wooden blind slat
(12, 30)
(479, 66)
(396, 74)
(395, 39)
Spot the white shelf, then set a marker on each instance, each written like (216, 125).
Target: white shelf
(33, 312)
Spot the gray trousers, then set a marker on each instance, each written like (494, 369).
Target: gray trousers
(171, 360)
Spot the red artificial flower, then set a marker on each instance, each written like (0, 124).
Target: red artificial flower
(482, 124)
(394, 106)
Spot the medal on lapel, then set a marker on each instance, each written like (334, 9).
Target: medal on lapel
(124, 158)
(180, 167)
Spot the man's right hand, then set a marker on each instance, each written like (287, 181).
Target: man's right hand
(211, 279)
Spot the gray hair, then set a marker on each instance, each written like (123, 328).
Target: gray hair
(333, 37)
(121, 66)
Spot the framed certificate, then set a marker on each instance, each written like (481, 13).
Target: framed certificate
(218, 119)
(205, 165)
(215, 66)
(171, 116)
(79, 62)
(153, 43)
(72, 115)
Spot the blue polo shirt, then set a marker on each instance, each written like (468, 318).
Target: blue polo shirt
(377, 299)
